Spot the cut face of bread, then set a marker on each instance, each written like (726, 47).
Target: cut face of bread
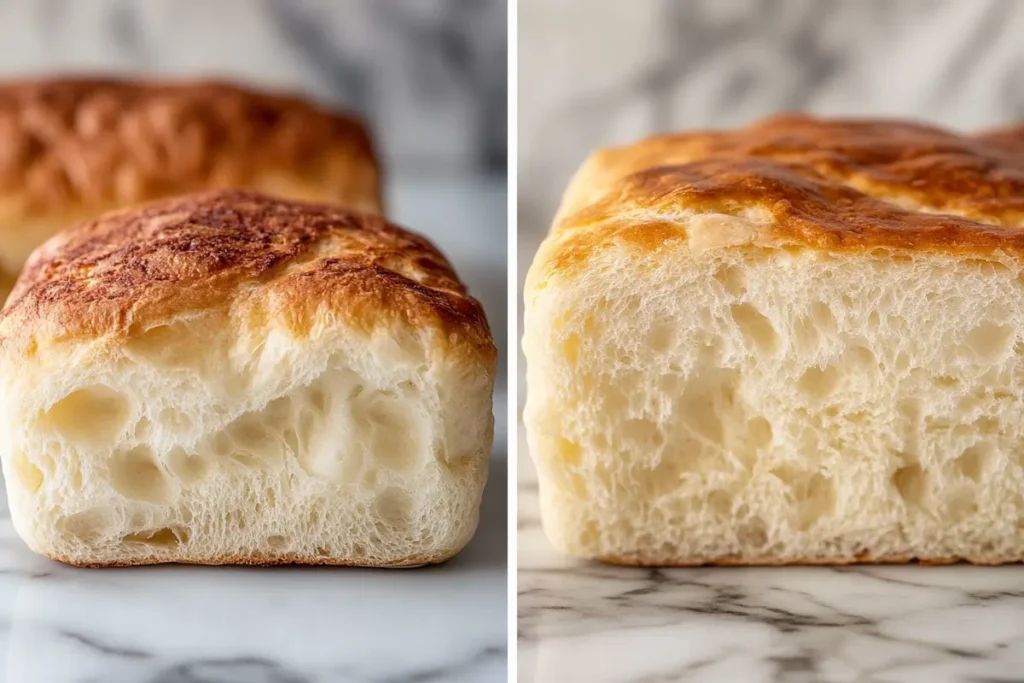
(231, 378)
(77, 148)
(801, 343)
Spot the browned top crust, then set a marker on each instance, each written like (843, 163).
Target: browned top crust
(78, 146)
(254, 256)
(825, 184)
(1009, 137)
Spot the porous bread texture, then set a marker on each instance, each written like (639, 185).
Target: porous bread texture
(749, 362)
(767, 406)
(241, 429)
(75, 148)
(193, 443)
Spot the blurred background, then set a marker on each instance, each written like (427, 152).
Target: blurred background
(430, 74)
(599, 72)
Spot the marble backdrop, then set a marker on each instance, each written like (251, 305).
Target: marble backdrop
(430, 74)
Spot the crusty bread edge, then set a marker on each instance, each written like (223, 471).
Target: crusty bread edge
(262, 560)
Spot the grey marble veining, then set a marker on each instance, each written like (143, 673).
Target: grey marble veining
(582, 621)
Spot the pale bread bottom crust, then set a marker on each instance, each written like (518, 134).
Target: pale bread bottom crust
(256, 560)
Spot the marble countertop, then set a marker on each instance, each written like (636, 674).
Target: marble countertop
(177, 624)
(583, 621)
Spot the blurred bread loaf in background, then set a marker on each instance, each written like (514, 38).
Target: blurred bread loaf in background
(73, 148)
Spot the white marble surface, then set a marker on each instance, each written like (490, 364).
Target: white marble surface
(582, 621)
(177, 624)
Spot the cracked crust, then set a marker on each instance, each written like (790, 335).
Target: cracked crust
(251, 255)
(804, 182)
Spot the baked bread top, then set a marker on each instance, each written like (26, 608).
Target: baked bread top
(801, 181)
(74, 147)
(1011, 137)
(264, 262)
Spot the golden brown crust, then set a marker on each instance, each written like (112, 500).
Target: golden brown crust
(822, 184)
(73, 147)
(1007, 137)
(243, 252)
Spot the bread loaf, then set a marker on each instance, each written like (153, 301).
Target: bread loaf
(233, 378)
(799, 342)
(74, 148)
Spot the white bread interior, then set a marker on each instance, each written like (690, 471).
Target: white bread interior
(730, 402)
(208, 441)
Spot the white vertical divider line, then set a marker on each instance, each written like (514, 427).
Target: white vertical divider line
(513, 337)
